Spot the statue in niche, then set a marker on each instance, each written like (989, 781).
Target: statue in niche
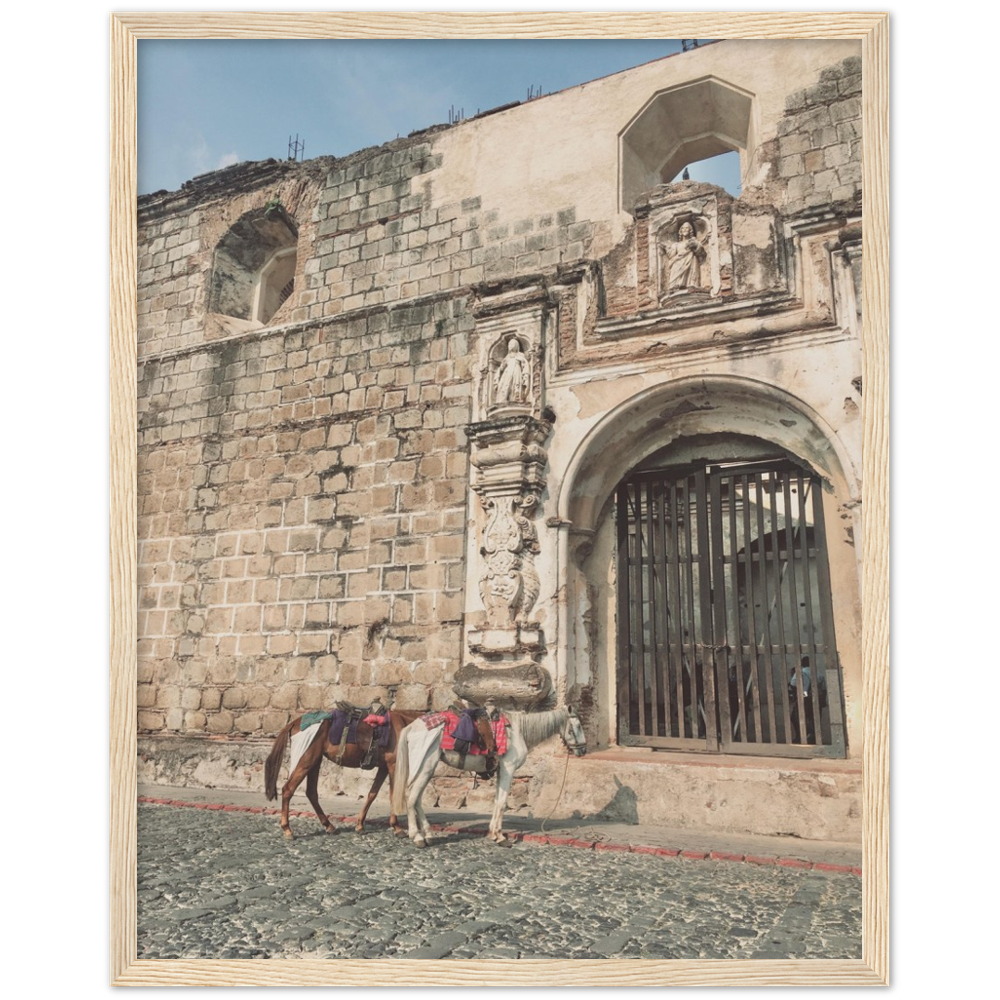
(683, 263)
(513, 376)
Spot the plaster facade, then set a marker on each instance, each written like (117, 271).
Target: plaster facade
(386, 399)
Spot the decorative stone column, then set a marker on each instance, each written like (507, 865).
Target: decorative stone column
(504, 641)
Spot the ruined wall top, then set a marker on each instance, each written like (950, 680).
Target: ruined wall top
(521, 191)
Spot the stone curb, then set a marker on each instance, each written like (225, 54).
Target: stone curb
(539, 839)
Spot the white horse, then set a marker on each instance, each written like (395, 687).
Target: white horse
(419, 751)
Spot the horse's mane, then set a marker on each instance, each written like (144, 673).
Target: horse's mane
(537, 726)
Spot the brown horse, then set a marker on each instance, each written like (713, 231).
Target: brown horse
(350, 755)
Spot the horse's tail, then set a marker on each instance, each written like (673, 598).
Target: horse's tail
(401, 776)
(272, 767)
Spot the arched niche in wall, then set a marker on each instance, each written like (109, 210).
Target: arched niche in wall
(680, 126)
(254, 267)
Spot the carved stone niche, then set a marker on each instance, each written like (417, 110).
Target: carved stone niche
(510, 329)
(689, 243)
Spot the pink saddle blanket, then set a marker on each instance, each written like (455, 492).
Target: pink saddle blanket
(452, 720)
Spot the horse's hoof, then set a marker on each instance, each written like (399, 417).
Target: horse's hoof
(288, 834)
(419, 842)
(399, 831)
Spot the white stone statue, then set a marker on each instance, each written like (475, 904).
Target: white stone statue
(683, 261)
(513, 377)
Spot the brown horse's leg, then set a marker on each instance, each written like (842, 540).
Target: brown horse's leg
(312, 793)
(310, 759)
(380, 776)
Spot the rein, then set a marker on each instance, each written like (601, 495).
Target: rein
(570, 749)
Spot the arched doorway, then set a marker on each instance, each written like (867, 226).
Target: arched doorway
(733, 489)
(725, 630)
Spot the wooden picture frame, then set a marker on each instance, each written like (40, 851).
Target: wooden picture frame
(872, 31)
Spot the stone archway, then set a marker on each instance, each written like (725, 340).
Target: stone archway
(727, 410)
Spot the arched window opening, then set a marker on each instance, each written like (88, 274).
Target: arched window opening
(680, 127)
(253, 272)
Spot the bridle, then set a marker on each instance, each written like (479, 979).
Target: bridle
(576, 746)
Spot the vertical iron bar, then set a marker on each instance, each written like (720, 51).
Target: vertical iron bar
(708, 635)
(814, 665)
(654, 640)
(676, 610)
(766, 642)
(639, 603)
(794, 593)
(624, 610)
(723, 643)
(780, 604)
(690, 646)
(735, 578)
(665, 681)
(838, 738)
(750, 590)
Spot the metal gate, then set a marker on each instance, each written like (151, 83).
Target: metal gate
(725, 625)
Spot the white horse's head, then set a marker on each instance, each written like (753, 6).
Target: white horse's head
(573, 735)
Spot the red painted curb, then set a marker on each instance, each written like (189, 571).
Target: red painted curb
(726, 856)
(529, 838)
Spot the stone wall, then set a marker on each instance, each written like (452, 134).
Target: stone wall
(817, 151)
(302, 520)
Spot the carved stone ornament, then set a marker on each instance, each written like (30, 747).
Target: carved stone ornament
(509, 584)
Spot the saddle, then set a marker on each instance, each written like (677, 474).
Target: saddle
(344, 723)
(462, 736)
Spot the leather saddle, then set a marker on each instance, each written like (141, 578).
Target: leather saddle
(367, 738)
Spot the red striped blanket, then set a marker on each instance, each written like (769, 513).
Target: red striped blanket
(450, 721)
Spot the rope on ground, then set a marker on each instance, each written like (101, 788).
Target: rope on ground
(559, 796)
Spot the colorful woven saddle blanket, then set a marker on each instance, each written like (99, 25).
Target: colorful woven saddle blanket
(460, 730)
(339, 719)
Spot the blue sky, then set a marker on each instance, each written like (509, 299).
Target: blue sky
(206, 104)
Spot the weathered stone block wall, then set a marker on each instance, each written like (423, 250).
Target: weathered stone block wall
(817, 152)
(302, 520)
(369, 235)
(381, 241)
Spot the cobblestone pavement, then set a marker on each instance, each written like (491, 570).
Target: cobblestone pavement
(228, 885)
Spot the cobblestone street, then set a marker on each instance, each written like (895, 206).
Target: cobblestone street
(218, 884)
